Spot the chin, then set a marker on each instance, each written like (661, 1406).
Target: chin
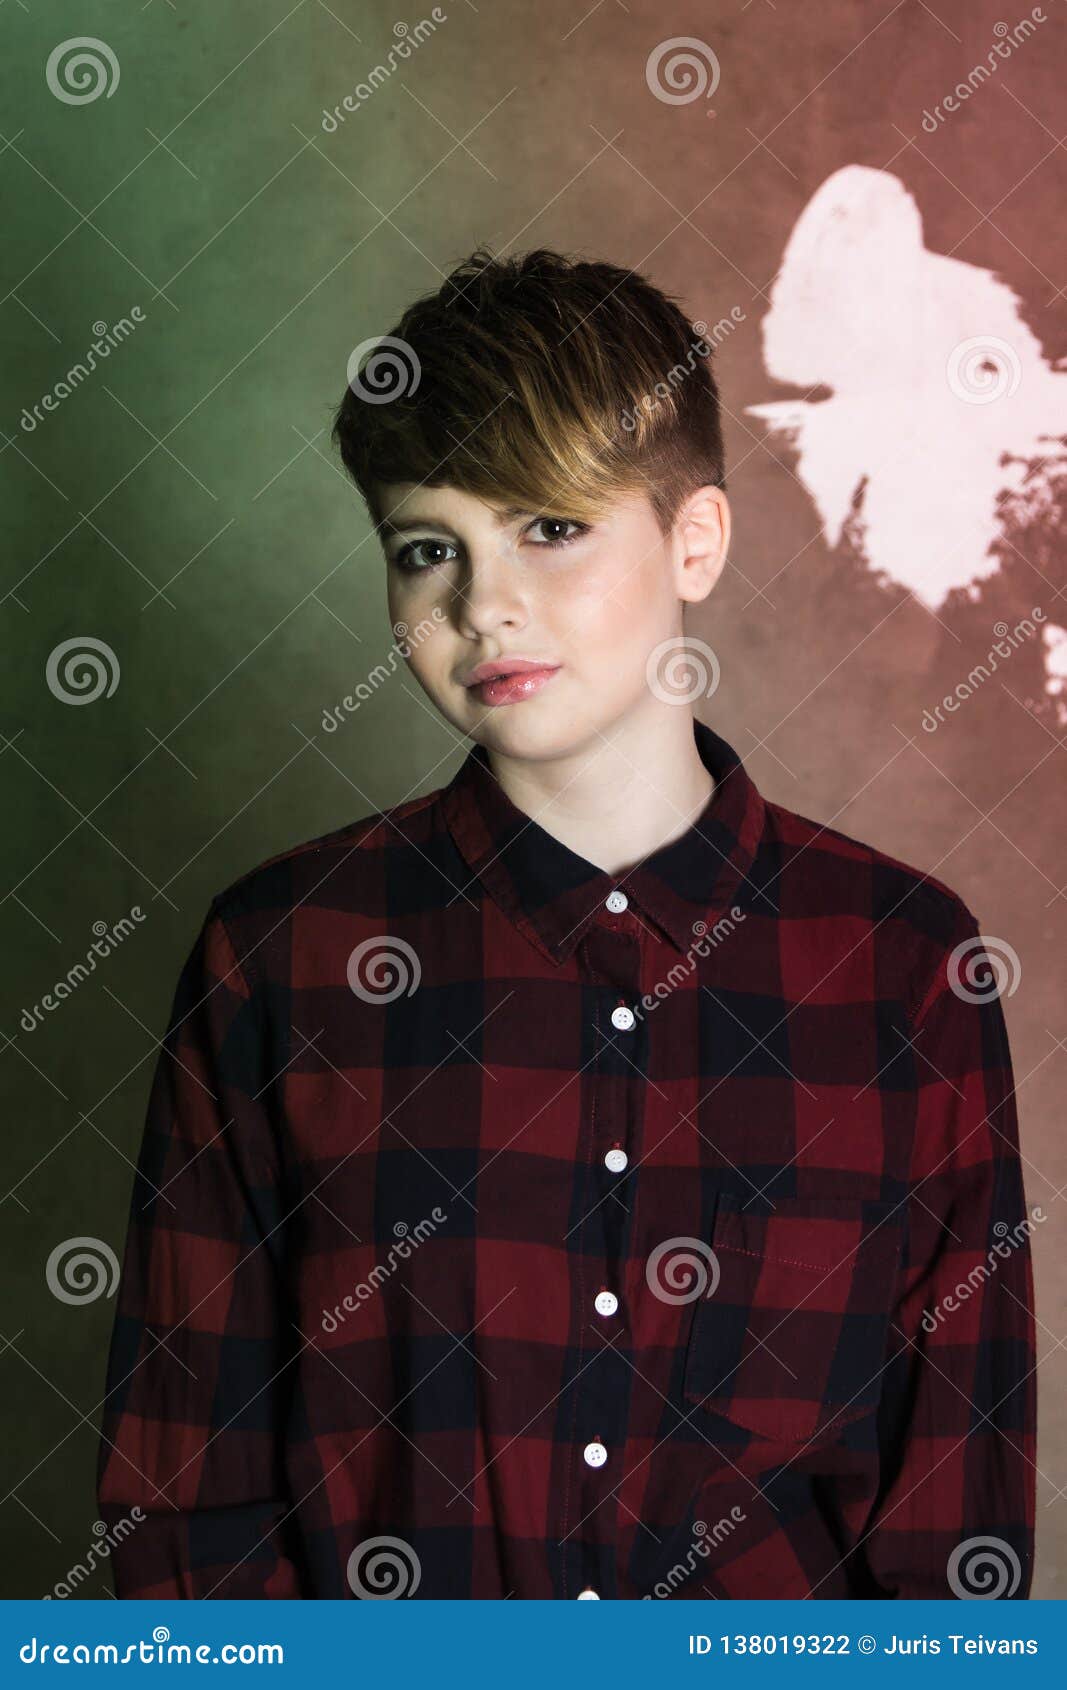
(535, 737)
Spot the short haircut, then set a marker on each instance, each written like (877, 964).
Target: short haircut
(542, 381)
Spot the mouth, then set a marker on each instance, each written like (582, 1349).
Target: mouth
(512, 684)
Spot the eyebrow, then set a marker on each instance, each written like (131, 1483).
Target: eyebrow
(386, 527)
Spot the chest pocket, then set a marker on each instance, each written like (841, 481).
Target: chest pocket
(790, 1340)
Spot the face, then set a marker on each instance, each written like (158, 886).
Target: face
(585, 604)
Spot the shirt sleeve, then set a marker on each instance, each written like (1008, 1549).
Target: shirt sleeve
(957, 1422)
(199, 1370)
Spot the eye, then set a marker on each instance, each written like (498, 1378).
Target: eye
(410, 558)
(557, 522)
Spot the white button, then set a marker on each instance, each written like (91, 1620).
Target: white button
(606, 1302)
(616, 902)
(588, 1596)
(595, 1454)
(622, 1018)
(616, 1160)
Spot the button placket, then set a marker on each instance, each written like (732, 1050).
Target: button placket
(611, 953)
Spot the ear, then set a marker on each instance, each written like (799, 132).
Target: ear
(701, 542)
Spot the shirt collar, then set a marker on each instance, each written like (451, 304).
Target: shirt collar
(553, 894)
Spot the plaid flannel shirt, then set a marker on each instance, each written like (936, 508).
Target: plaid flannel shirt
(504, 1227)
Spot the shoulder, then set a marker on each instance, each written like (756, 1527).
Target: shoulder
(839, 867)
(913, 919)
(344, 870)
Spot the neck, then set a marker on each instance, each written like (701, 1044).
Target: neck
(618, 799)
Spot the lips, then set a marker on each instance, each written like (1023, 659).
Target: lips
(514, 685)
(497, 668)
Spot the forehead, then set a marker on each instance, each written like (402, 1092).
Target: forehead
(406, 505)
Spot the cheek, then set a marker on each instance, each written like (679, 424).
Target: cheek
(417, 612)
(416, 621)
(614, 603)
(431, 653)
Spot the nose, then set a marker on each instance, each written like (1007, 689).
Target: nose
(488, 593)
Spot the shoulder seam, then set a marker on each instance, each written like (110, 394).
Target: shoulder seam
(215, 910)
(964, 923)
(873, 852)
(355, 835)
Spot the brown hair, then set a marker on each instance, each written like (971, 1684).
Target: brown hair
(543, 381)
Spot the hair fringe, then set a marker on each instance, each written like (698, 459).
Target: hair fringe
(546, 380)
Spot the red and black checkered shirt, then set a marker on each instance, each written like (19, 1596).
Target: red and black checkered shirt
(504, 1227)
